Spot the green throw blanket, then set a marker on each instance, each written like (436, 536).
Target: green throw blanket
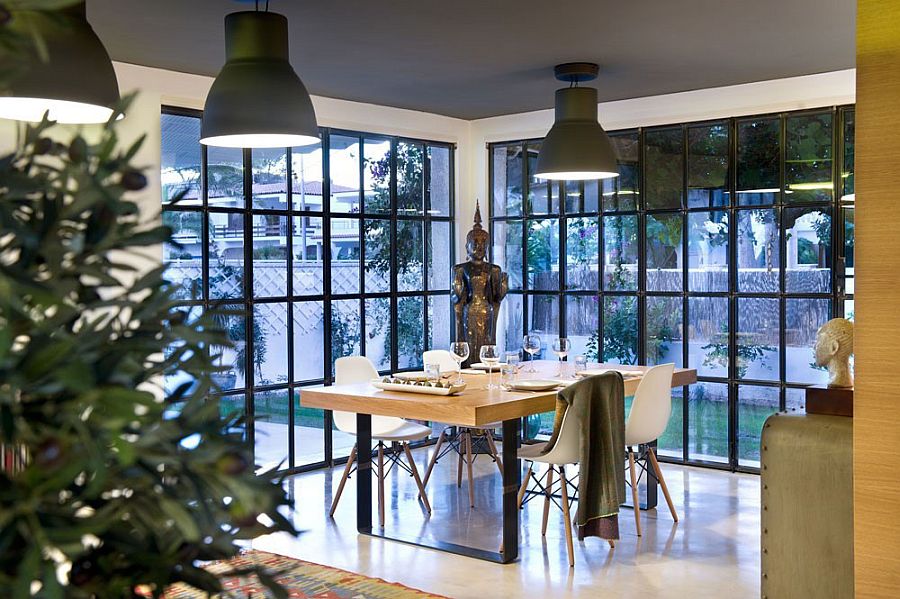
(601, 486)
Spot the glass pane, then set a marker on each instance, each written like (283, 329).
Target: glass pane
(309, 330)
(180, 159)
(309, 434)
(665, 317)
(440, 321)
(620, 253)
(440, 180)
(507, 250)
(234, 359)
(270, 422)
(345, 329)
(664, 252)
(708, 251)
(573, 196)
(270, 340)
(234, 406)
(378, 255)
(795, 400)
(225, 177)
(759, 323)
(664, 168)
(621, 193)
(543, 254)
(592, 196)
(185, 263)
(708, 336)
(540, 198)
(507, 183)
(847, 172)
(802, 320)
(620, 329)
(410, 178)
(583, 325)
(849, 240)
(582, 253)
(343, 163)
(172, 380)
(758, 157)
(808, 239)
(410, 331)
(410, 255)
(378, 332)
(306, 178)
(708, 422)
(269, 185)
(377, 175)
(543, 315)
(671, 442)
(755, 404)
(345, 255)
(758, 251)
(439, 252)
(226, 255)
(309, 255)
(510, 325)
(708, 166)
(808, 158)
(270, 234)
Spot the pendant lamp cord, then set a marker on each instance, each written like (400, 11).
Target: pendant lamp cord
(257, 5)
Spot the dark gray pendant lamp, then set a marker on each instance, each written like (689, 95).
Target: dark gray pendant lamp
(576, 147)
(74, 81)
(257, 100)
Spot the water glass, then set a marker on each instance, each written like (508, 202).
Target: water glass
(512, 359)
(580, 363)
(433, 372)
(460, 351)
(490, 357)
(561, 347)
(532, 345)
(508, 376)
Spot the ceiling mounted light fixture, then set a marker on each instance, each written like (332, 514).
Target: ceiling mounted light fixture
(257, 100)
(73, 80)
(576, 147)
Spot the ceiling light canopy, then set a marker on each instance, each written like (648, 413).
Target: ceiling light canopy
(576, 147)
(257, 100)
(74, 81)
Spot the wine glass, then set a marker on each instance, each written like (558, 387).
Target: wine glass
(532, 345)
(460, 351)
(490, 357)
(561, 347)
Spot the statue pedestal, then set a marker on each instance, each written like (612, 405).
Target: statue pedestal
(829, 401)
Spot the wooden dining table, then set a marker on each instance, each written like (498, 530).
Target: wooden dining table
(475, 406)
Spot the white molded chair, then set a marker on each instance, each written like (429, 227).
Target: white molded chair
(463, 441)
(359, 369)
(647, 420)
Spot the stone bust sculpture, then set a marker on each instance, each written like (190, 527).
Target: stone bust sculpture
(478, 288)
(834, 345)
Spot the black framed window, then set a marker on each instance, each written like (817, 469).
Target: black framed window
(722, 246)
(336, 249)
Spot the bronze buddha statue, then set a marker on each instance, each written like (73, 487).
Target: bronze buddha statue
(478, 288)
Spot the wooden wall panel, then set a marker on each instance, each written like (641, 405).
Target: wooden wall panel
(876, 431)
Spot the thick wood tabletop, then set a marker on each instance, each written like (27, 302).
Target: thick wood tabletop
(475, 406)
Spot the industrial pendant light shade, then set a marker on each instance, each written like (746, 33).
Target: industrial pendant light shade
(576, 147)
(257, 100)
(74, 82)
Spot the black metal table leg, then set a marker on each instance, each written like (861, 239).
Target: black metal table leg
(511, 482)
(364, 473)
(652, 483)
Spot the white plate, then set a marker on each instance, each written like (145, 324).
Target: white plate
(535, 385)
(595, 371)
(427, 390)
(485, 367)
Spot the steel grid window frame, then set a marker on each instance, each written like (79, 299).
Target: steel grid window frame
(836, 296)
(247, 302)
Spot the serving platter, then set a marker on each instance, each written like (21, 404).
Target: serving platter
(426, 389)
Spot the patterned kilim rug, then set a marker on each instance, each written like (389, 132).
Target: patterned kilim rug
(302, 580)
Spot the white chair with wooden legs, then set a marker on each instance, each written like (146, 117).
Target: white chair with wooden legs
(465, 438)
(565, 452)
(647, 420)
(385, 429)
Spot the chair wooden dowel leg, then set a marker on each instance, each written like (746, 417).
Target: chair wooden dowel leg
(340, 489)
(433, 461)
(415, 472)
(634, 492)
(568, 519)
(494, 453)
(662, 483)
(524, 486)
(548, 491)
(470, 457)
(381, 484)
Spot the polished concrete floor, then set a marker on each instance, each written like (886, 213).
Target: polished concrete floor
(712, 552)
